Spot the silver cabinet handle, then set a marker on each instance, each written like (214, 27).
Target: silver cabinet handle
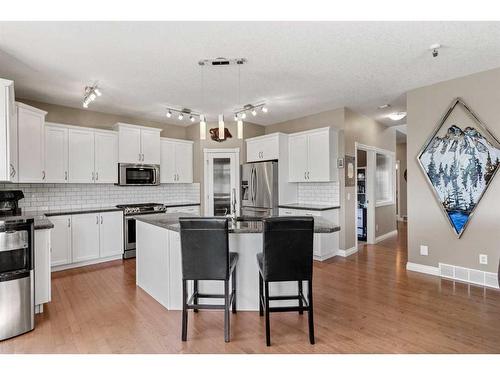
(66, 176)
(101, 219)
(97, 219)
(12, 170)
(43, 175)
(308, 175)
(97, 176)
(142, 157)
(139, 157)
(93, 176)
(305, 175)
(69, 222)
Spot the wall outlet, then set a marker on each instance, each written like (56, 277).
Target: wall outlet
(424, 250)
(483, 259)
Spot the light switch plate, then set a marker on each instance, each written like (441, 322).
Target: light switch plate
(424, 250)
(483, 259)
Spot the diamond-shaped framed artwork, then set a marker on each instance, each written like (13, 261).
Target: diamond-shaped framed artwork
(460, 160)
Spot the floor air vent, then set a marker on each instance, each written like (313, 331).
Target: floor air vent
(468, 275)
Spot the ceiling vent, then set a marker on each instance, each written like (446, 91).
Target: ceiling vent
(222, 61)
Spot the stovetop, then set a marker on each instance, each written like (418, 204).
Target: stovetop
(142, 208)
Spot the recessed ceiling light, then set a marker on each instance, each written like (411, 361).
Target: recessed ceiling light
(384, 106)
(396, 116)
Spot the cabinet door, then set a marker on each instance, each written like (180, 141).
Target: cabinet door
(167, 163)
(129, 145)
(111, 233)
(184, 162)
(61, 240)
(253, 151)
(56, 154)
(85, 237)
(81, 156)
(42, 266)
(150, 146)
(269, 148)
(31, 143)
(297, 154)
(106, 158)
(319, 157)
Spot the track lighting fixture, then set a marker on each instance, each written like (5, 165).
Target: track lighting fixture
(264, 109)
(191, 118)
(169, 113)
(91, 93)
(251, 108)
(181, 116)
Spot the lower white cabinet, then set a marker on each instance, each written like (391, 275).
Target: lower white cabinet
(42, 266)
(86, 237)
(325, 245)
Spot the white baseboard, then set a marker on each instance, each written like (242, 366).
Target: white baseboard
(326, 256)
(348, 252)
(86, 263)
(386, 236)
(422, 268)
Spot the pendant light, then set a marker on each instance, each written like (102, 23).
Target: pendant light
(240, 128)
(221, 127)
(203, 120)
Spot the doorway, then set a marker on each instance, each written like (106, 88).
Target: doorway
(221, 181)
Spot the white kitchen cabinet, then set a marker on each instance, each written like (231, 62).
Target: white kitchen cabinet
(176, 161)
(30, 131)
(266, 147)
(81, 156)
(106, 157)
(138, 144)
(42, 266)
(110, 233)
(313, 156)
(61, 240)
(56, 153)
(150, 146)
(85, 237)
(8, 132)
(325, 245)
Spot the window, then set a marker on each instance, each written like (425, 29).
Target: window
(384, 179)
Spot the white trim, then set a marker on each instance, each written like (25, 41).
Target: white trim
(326, 256)
(265, 136)
(176, 140)
(86, 263)
(221, 150)
(386, 236)
(422, 268)
(348, 252)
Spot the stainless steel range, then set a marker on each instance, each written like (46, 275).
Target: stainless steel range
(129, 212)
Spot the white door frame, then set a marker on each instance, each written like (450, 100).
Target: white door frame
(208, 157)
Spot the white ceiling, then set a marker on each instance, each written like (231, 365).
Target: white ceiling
(299, 68)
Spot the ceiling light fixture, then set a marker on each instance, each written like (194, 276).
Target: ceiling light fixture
(91, 93)
(252, 108)
(396, 116)
(191, 118)
(221, 127)
(169, 113)
(181, 116)
(434, 49)
(384, 106)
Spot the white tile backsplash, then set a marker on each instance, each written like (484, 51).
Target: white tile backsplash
(319, 193)
(66, 196)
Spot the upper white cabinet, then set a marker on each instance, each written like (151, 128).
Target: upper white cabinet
(8, 132)
(176, 161)
(81, 156)
(138, 144)
(106, 156)
(30, 131)
(313, 156)
(266, 147)
(56, 153)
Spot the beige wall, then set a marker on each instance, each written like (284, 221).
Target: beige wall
(334, 118)
(193, 133)
(364, 130)
(427, 225)
(92, 119)
(401, 156)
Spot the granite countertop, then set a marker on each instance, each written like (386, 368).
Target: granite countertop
(40, 220)
(171, 222)
(309, 206)
(181, 204)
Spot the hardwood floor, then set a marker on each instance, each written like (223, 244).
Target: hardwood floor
(366, 303)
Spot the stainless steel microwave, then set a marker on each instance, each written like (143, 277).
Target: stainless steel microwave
(138, 174)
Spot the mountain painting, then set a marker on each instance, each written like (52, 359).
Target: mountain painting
(460, 162)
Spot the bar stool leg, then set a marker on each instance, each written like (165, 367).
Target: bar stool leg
(226, 311)
(310, 312)
(195, 290)
(268, 328)
(261, 290)
(233, 283)
(301, 303)
(184, 311)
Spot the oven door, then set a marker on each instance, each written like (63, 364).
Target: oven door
(129, 233)
(139, 174)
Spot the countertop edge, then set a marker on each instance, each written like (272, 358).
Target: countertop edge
(300, 206)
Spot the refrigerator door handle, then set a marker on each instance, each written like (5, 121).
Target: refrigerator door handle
(254, 187)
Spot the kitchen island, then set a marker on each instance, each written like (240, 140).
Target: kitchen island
(158, 260)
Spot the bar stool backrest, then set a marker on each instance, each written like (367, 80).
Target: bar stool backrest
(204, 248)
(288, 248)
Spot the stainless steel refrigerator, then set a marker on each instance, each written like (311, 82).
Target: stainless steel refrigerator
(259, 189)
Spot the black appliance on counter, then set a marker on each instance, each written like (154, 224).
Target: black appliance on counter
(129, 212)
(17, 296)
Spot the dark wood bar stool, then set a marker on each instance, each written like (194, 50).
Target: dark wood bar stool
(287, 256)
(205, 256)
